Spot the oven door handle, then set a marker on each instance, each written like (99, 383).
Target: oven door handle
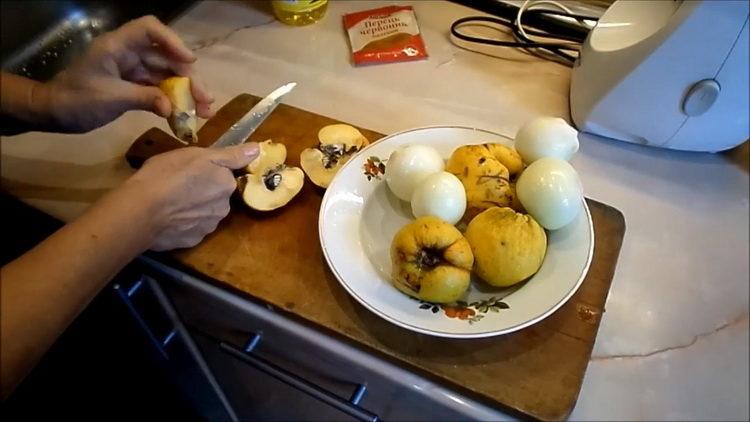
(350, 407)
(126, 295)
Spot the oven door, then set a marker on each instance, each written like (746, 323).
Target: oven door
(168, 343)
(273, 368)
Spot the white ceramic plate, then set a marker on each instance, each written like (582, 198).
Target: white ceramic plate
(359, 217)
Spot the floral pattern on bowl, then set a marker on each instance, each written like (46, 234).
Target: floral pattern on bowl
(471, 312)
(373, 168)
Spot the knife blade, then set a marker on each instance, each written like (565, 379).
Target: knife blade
(247, 124)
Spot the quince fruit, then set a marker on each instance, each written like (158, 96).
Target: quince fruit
(182, 120)
(270, 183)
(488, 173)
(431, 260)
(508, 246)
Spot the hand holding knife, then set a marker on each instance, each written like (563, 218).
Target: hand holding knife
(240, 132)
(156, 141)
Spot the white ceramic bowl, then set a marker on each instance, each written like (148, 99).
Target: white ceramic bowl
(359, 217)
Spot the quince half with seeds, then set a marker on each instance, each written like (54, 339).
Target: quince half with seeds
(270, 183)
(182, 120)
(336, 145)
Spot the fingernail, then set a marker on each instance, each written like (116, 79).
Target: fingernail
(251, 149)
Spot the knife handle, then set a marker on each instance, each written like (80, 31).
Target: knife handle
(156, 141)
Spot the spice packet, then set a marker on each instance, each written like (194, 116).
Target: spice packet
(384, 35)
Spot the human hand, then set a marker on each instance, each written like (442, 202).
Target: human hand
(187, 192)
(119, 72)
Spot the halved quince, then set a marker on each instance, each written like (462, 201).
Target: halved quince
(337, 144)
(182, 120)
(270, 155)
(273, 189)
(270, 184)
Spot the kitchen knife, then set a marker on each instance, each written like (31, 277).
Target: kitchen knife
(241, 131)
(231, 125)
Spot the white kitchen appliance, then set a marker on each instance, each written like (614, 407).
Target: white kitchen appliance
(666, 73)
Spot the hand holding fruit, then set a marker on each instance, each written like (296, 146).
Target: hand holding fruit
(119, 72)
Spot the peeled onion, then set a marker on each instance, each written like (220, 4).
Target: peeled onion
(546, 137)
(408, 166)
(551, 191)
(440, 195)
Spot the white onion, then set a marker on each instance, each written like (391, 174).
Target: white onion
(409, 165)
(440, 195)
(546, 137)
(550, 190)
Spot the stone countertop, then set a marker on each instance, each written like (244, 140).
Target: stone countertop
(673, 343)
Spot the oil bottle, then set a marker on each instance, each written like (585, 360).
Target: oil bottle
(299, 12)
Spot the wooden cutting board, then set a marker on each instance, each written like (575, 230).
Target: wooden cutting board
(276, 258)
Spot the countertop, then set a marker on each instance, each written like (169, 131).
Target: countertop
(673, 343)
